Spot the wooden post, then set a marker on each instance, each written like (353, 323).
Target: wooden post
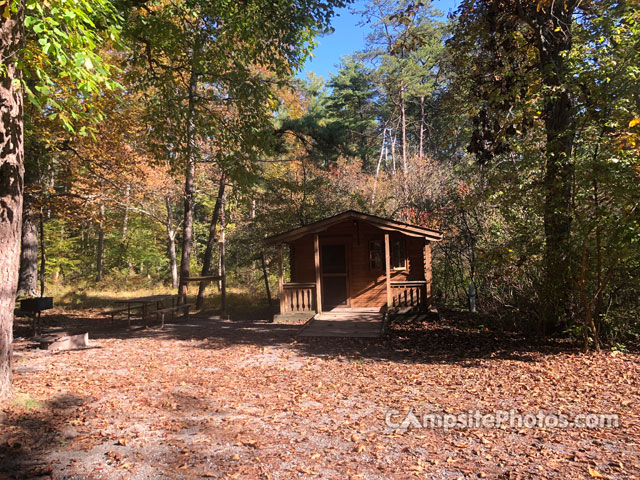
(387, 266)
(316, 249)
(428, 275)
(266, 279)
(281, 281)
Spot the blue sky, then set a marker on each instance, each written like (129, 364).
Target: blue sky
(348, 38)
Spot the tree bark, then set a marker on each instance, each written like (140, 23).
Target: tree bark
(100, 252)
(211, 242)
(223, 267)
(403, 119)
(11, 184)
(554, 29)
(171, 244)
(421, 140)
(43, 256)
(28, 279)
(125, 218)
(266, 279)
(187, 225)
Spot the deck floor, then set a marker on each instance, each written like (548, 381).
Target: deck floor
(352, 322)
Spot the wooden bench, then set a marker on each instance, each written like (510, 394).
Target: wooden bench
(128, 309)
(160, 314)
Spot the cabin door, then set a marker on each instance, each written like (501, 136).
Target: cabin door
(335, 278)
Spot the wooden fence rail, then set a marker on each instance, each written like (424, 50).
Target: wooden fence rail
(409, 293)
(298, 297)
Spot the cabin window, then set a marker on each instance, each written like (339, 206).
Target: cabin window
(376, 255)
(398, 254)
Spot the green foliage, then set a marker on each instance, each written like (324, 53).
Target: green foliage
(473, 110)
(62, 62)
(213, 67)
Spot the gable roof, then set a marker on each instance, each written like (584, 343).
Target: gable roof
(382, 223)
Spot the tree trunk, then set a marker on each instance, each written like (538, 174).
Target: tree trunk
(100, 253)
(171, 244)
(11, 184)
(559, 120)
(223, 268)
(403, 126)
(405, 165)
(599, 280)
(421, 140)
(125, 219)
(266, 279)
(187, 225)
(211, 242)
(393, 155)
(43, 256)
(375, 178)
(28, 280)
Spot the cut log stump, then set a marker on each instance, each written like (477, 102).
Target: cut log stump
(67, 342)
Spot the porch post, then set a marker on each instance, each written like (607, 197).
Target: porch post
(428, 275)
(316, 249)
(387, 266)
(280, 281)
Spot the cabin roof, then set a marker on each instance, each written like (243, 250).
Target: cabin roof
(382, 223)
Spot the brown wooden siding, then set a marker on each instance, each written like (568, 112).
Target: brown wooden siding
(367, 287)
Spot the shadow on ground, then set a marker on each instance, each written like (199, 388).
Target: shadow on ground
(450, 337)
(34, 429)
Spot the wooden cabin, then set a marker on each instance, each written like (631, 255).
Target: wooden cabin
(354, 260)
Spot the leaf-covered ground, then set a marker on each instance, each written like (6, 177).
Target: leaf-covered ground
(213, 398)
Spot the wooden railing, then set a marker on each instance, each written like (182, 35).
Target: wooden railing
(409, 293)
(298, 297)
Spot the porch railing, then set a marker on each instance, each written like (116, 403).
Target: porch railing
(298, 297)
(409, 293)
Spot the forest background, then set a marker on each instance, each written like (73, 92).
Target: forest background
(511, 126)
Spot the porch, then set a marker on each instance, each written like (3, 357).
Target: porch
(299, 298)
(345, 322)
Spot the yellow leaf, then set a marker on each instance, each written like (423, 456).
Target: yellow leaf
(6, 13)
(634, 122)
(595, 473)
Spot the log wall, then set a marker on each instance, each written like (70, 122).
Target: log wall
(367, 285)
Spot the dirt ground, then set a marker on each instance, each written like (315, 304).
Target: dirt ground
(245, 399)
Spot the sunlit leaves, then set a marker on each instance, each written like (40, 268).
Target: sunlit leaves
(62, 63)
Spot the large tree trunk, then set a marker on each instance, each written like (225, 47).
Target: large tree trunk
(554, 37)
(11, 184)
(557, 211)
(211, 242)
(190, 171)
(171, 246)
(28, 279)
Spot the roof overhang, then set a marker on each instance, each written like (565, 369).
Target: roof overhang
(382, 223)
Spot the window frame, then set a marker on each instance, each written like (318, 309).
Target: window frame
(403, 249)
(379, 249)
(380, 252)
